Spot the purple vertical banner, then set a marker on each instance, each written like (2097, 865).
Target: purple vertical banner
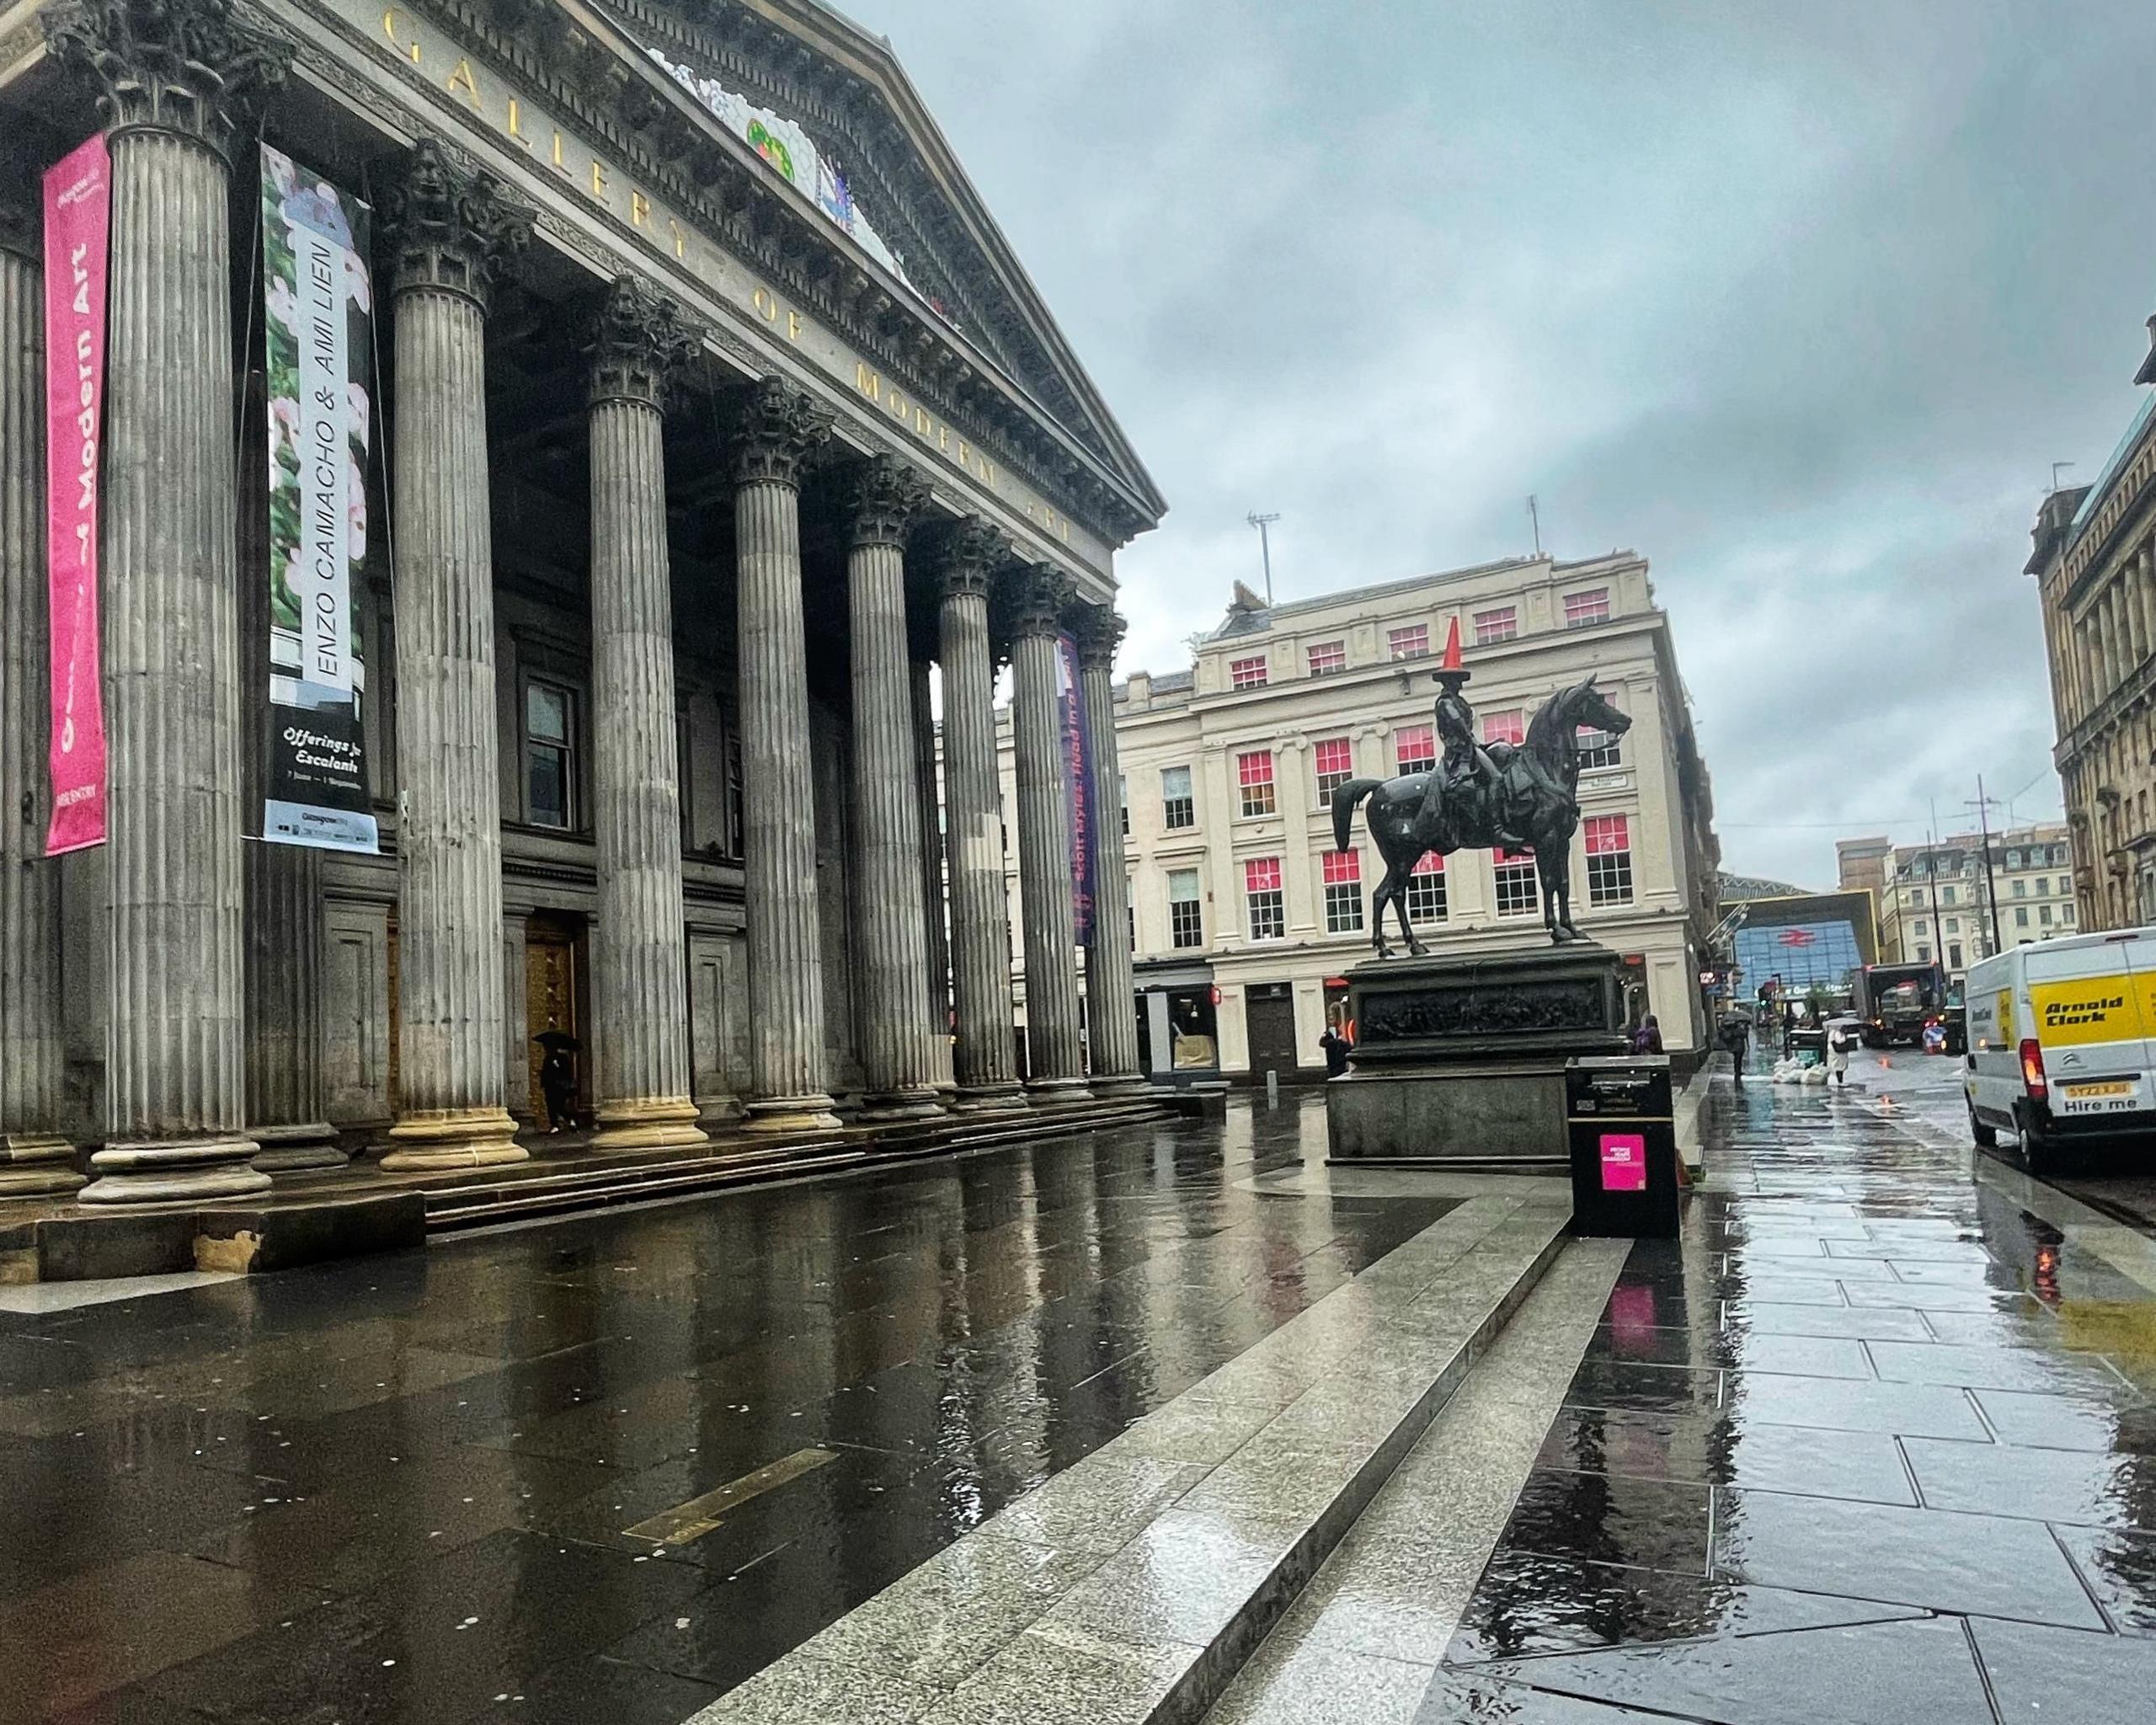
(1078, 780)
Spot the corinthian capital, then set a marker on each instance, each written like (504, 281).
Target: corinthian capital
(1100, 631)
(641, 338)
(449, 224)
(1040, 593)
(181, 66)
(882, 495)
(775, 429)
(968, 555)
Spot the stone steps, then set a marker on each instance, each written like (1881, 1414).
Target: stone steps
(1129, 1589)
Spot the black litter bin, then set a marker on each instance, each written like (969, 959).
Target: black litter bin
(1622, 1145)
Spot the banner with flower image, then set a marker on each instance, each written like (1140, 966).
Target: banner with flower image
(318, 346)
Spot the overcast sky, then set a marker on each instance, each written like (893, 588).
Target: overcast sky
(1801, 302)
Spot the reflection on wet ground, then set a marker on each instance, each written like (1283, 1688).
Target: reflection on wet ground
(1868, 1442)
(607, 1468)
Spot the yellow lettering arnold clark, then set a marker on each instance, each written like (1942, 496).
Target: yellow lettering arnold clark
(2090, 1009)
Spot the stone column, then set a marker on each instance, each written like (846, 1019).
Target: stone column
(172, 76)
(986, 1059)
(777, 428)
(898, 1066)
(931, 876)
(34, 1154)
(1111, 1002)
(640, 973)
(450, 230)
(1051, 1017)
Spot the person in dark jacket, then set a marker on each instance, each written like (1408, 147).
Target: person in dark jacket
(557, 1084)
(1647, 1038)
(1336, 1047)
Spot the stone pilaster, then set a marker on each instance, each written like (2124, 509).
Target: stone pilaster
(172, 76)
(640, 975)
(34, 1154)
(932, 878)
(891, 964)
(776, 430)
(1111, 1003)
(1052, 1038)
(450, 230)
(986, 1057)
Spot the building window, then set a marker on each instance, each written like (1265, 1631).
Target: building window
(1130, 911)
(2020, 889)
(2044, 915)
(1916, 897)
(1954, 955)
(549, 754)
(1410, 642)
(1517, 892)
(1268, 914)
(1506, 727)
(1254, 774)
(1609, 859)
(737, 817)
(1946, 895)
(1414, 748)
(1597, 749)
(1343, 891)
(1334, 758)
(1186, 913)
(1328, 657)
(1247, 673)
(1426, 889)
(1178, 810)
(1923, 955)
(1492, 627)
(1592, 606)
(1953, 925)
(2013, 859)
(2021, 914)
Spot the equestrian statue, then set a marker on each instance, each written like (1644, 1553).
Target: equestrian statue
(1482, 797)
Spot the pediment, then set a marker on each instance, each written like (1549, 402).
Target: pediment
(828, 107)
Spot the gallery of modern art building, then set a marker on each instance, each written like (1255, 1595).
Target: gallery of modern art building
(536, 460)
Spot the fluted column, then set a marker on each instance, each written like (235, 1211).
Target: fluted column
(450, 231)
(34, 1154)
(932, 878)
(1111, 1005)
(777, 428)
(1045, 886)
(171, 75)
(898, 1066)
(640, 978)
(986, 1057)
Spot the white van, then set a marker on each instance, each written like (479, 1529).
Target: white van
(2059, 1041)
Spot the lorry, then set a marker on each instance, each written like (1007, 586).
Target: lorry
(1895, 1002)
(2059, 1046)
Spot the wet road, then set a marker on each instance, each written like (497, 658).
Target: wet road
(1871, 1441)
(608, 1468)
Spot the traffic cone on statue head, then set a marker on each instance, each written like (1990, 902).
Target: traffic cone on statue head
(1451, 661)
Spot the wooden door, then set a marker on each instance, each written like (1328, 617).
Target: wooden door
(550, 966)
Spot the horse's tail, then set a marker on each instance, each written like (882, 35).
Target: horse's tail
(1345, 797)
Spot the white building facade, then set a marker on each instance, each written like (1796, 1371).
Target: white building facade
(1245, 919)
(1939, 902)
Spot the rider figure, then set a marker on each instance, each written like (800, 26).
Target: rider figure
(1466, 761)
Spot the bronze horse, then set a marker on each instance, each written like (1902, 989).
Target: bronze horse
(1541, 807)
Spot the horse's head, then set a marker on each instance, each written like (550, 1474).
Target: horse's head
(1583, 704)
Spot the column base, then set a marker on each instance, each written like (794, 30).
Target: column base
(36, 1166)
(1056, 1093)
(647, 1122)
(288, 1150)
(1005, 1099)
(790, 1113)
(1120, 1084)
(166, 1170)
(918, 1103)
(454, 1138)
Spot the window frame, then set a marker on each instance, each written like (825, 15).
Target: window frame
(1265, 905)
(1431, 869)
(1587, 608)
(1425, 734)
(1341, 875)
(1256, 807)
(1335, 659)
(1195, 904)
(1251, 671)
(1508, 870)
(1417, 635)
(1609, 880)
(1178, 814)
(1320, 773)
(1498, 624)
(531, 744)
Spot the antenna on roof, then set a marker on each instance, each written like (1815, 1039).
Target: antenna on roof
(2056, 467)
(1535, 520)
(1265, 549)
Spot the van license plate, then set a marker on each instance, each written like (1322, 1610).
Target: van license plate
(2114, 1096)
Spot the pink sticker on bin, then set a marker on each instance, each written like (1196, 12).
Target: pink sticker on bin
(1624, 1162)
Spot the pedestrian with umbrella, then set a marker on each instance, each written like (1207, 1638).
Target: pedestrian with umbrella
(557, 1078)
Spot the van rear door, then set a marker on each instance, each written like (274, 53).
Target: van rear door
(2091, 1007)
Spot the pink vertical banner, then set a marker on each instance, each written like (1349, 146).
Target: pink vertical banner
(78, 231)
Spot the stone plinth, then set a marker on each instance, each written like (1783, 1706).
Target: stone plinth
(1463, 1059)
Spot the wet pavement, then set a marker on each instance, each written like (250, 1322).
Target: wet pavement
(1873, 1440)
(609, 1468)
